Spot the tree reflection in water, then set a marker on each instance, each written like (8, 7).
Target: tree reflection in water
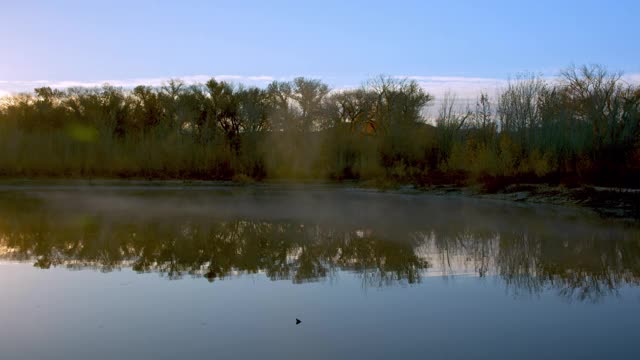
(584, 264)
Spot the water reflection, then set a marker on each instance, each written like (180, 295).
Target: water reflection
(296, 251)
(578, 260)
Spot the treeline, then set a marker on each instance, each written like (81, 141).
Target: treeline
(583, 128)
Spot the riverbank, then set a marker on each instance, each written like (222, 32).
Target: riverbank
(605, 201)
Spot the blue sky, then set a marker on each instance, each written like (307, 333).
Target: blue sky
(342, 42)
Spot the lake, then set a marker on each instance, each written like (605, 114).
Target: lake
(223, 272)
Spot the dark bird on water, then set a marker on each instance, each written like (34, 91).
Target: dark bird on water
(298, 321)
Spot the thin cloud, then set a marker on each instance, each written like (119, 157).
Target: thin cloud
(466, 88)
(469, 88)
(463, 87)
(9, 87)
(633, 79)
(449, 79)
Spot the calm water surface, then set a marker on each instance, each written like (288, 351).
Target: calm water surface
(222, 273)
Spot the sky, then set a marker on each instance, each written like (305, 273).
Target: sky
(460, 45)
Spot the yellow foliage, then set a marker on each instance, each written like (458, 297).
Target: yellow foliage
(457, 159)
(82, 133)
(509, 154)
(486, 162)
(541, 164)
